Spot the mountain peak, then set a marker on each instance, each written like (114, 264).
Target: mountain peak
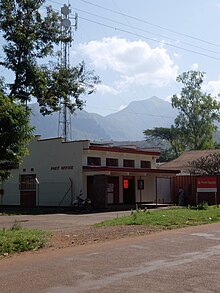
(127, 124)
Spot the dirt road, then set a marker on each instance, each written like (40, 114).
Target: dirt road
(76, 229)
(184, 260)
(58, 222)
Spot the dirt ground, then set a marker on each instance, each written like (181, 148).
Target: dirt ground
(74, 230)
(91, 234)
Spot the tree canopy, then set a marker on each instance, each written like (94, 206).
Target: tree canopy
(167, 139)
(15, 133)
(194, 126)
(207, 165)
(32, 34)
(30, 39)
(198, 112)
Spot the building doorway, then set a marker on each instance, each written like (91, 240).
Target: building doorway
(128, 190)
(113, 190)
(28, 190)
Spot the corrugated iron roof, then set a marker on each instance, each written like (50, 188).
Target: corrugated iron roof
(183, 160)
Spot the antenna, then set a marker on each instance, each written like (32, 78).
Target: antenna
(64, 127)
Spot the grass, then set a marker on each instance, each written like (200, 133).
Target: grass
(18, 239)
(169, 218)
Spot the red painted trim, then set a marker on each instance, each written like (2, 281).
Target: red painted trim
(122, 150)
(118, 169)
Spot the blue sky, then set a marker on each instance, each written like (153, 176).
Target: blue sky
(138, 47)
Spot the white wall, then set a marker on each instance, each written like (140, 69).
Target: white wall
(163, 190)
(120, 156)
(54, 163)
(57, 163)
(148, 194)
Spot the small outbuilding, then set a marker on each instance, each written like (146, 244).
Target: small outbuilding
(190, 182)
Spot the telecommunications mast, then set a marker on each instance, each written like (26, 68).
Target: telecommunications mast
(64, 127)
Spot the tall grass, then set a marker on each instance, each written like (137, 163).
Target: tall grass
(18, 239)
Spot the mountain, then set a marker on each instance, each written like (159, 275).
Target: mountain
(83, 125)
(127, 124)
(141, 115)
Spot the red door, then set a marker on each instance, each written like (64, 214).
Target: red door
(28, 198)
(28, 190)
(129, 190)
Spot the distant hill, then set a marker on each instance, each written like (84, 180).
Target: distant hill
(141, 115)
(127, 124)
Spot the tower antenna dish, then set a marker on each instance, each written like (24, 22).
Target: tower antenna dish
(64, 127)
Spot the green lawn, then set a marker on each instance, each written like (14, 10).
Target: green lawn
(168, 218)
(18, 239)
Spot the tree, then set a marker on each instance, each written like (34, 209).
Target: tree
(59, 85)
(15, 133)
(194, 127)
(197, 113)
(208, 165)
(30, 37)
(167, 137)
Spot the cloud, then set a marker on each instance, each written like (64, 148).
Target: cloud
(168, 98)
(133, 62)
(177, 55)
(213, 87)
(105, 89)
(121, 107)
(194, 66)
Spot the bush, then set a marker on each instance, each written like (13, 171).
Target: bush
(18, 239)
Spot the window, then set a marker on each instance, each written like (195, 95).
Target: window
(128, 163)
(112, 162)
(94, 161)
(28, 182)
(145, 164)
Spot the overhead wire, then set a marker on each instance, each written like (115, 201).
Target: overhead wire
(144, 37)
(153, 40)
(146, 31)
(143, 30)
(135, 34)
(134, 96)
(150, 23)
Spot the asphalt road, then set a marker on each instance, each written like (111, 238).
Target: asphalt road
(183, 260)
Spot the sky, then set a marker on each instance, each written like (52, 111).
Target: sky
(139, 47)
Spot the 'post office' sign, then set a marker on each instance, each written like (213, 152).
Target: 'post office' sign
(206, 184)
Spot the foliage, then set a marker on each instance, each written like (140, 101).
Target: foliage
(217, 139)
(166, 155)
(15, 133)
(60, 84)
(208, 165)
(30, 39)
(169, 218)
(197, 112)
(194, 126)
(201, 206)
(19, 240)
(216, 145)
(162, 135)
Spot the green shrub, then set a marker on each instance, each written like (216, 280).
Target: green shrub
(18, 239)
